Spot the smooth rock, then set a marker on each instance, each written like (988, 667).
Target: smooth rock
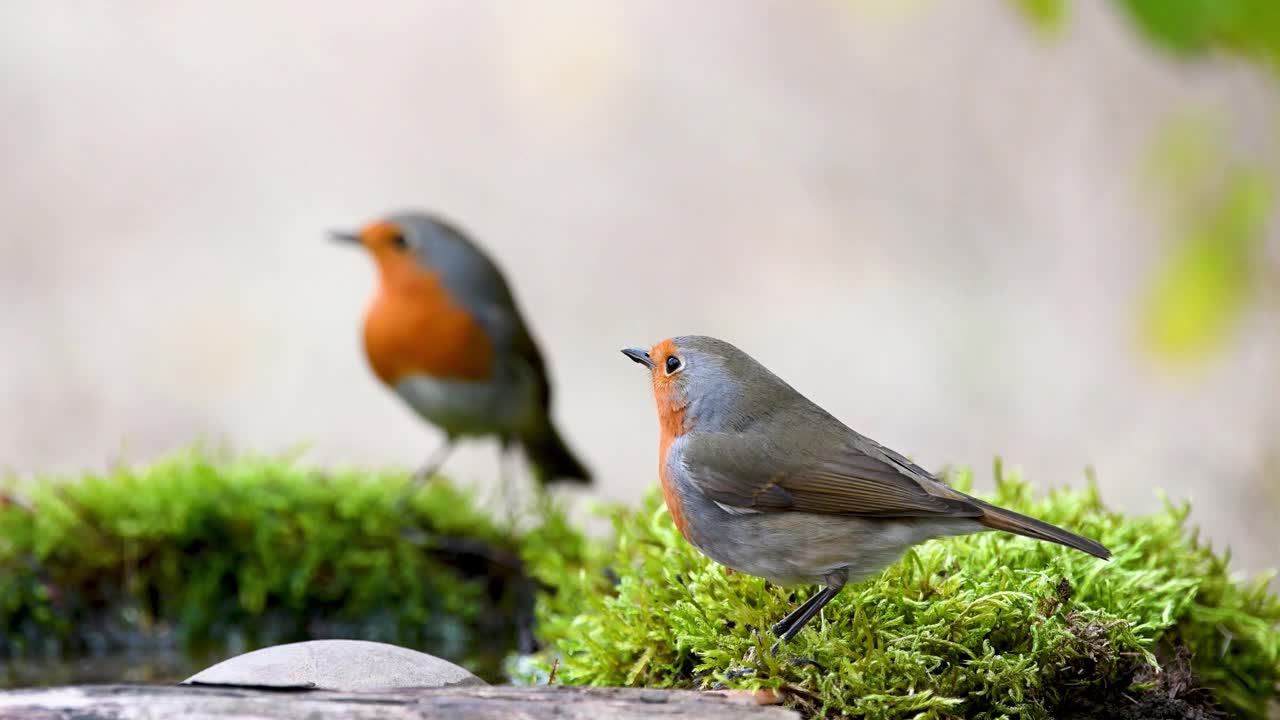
(344, 665)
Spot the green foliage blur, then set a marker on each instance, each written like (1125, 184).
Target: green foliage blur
(985, 626)
(202, 551)
(1216, 216)
(1250, 28)
(1216, 208)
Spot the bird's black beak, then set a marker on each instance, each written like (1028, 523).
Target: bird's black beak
(640, 356)
(344, 236)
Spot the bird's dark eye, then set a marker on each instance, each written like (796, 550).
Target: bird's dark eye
(399, 242)
(673, 364)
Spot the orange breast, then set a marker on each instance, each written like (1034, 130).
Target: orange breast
(671, 426)
(413, 327)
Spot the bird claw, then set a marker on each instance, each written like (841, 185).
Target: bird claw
(773, 650)
(802, 661)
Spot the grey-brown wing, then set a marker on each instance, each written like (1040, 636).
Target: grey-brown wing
(527, 349)
(474, 280)
(851, 476)
(511, 339)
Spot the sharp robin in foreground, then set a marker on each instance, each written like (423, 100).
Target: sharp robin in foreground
(765, 482)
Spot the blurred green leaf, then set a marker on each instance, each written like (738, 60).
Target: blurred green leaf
(1182, 159)
(1180, 25)
(1048, 16)
(1217, 210)
(1212, 271)
(1247, 27)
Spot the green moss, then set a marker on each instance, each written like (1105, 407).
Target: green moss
(979, 627)
(200, 551)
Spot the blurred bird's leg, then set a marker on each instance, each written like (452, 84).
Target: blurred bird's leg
(504, 478)
(789, 626)
(433, 463)
(423, 474)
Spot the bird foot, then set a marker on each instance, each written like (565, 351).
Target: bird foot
(800, 661)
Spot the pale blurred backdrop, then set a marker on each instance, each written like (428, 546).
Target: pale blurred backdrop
(925, 215)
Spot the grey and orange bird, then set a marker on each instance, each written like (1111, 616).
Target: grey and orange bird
(763, 481)
(444, 333)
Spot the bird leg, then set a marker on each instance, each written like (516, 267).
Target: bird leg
(433, 463)
(810, 612)
(785, 623)
(504, 478)
(424, 473)
(789, 626)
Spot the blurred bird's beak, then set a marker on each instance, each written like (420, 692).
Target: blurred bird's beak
(344, 236)
(640, 356)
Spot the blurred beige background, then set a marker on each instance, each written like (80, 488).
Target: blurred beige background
(922, 215)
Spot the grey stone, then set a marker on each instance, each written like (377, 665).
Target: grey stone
(335, 665)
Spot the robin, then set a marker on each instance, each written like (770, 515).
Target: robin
(763, 481)
(443, 332)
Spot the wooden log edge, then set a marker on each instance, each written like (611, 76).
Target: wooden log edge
(153, 702)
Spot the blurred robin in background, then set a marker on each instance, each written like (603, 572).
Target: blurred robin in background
(443, 332)
(761, 480)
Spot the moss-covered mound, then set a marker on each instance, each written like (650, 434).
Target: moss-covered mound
(979, 627)
(205, 551)
(200, 551)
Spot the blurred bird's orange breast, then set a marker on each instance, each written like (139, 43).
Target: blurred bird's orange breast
(413, 327)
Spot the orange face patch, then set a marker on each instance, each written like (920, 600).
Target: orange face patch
(379, 236)
(413, 326)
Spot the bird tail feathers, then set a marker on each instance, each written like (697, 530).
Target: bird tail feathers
(998, 518)
(552, 460)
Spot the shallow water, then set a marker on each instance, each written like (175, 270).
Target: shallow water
(150, 666)
(159, 666)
